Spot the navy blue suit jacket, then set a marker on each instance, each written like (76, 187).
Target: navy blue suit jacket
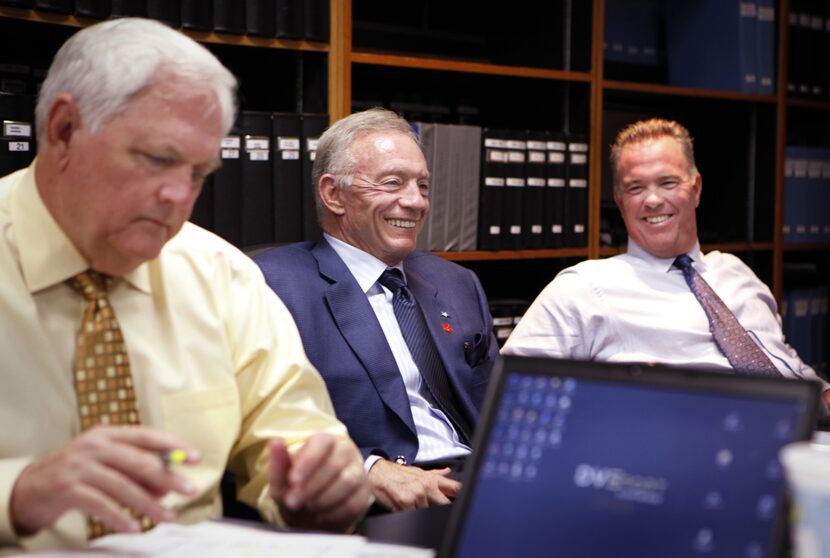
(344, 341)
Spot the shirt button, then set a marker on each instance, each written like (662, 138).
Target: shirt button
(400, 460)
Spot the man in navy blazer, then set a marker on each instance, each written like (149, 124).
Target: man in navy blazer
(372, 194)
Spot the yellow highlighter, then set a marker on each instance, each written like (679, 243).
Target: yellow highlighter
(173, 457)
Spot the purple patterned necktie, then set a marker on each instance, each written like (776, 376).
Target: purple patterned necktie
(743, 354)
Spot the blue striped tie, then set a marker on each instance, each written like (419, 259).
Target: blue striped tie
(417, 337)
(743, 354)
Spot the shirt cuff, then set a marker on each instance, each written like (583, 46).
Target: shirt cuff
(370, 461)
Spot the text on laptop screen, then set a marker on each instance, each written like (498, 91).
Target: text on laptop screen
(616, 469)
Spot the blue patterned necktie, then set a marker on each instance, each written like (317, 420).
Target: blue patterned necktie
(743, 354)
(417, 337)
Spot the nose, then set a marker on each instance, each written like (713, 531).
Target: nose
(653, 197)
(178, 186)
(413, 197)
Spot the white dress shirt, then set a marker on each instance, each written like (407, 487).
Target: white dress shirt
(437, 438)
(636, 307)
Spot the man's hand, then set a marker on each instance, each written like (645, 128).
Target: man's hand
(322, 487)
(100, 472)
(399, 487)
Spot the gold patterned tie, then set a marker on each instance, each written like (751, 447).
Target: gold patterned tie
(103, 383)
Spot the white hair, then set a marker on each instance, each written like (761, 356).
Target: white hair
(104, 65)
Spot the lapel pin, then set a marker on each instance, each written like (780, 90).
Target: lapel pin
(447, 328)
(445, 314)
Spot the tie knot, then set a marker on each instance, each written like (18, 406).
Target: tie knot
(91, 284)
(392, 279)
(683, 262)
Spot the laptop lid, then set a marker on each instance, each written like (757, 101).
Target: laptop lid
(576, 459)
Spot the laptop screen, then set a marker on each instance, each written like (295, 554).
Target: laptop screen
(595, 459)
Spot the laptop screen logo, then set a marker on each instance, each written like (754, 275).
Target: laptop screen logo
(622, 485)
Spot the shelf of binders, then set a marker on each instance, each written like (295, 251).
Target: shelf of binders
(663, 89)
(201, 36)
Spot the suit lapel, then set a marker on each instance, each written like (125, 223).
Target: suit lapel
(359, 326)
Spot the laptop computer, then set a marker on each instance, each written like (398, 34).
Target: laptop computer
(590, 459)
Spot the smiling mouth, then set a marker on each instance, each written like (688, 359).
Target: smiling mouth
(402, 223)
(656, 219)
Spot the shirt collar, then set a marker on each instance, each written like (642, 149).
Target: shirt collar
(664, 264)
(47, 256)
(365, 268)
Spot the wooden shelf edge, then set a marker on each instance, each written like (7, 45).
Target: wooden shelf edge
(613, 85)
(722, 246)
(427, 63)
(201, 36)
(817, 104)
(481, 255)
(808, 247)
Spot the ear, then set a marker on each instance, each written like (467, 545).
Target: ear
(331, 194)
(62, 122)
(697, 188)
(617, 199)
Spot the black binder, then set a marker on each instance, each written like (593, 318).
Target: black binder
(317, 20)
(167, 11)
(59, 6)
(288, 177)
(128, 8)
(493, 162)
(577, 192)
(229, 16)
(19, 3)
(257, 190)
(557, 181)
(289, 19)
(313, 127)
(15, 78)
(260, 17)
(227, 190)
(534, 196)
(17, 140)
(514, 190)
(99, 9)
(197, 15)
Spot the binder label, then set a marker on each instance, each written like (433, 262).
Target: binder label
(556, 229)
(556, 182)
(231, 142)
(312, 155)
(258, 154)
(578, 147)
(514, 182)
(516, 156)
(493, 181)
(578, 183)
(495, 143)
(496, 156)
(536, 156)
(504, 321)
(556, 157)
(257, 143)
(230, 154)
(578, 158)
(538, 145)
(536, 229)
(17, 129)
(536, 182)
(288, 143)
(495, 230)
(766, 13)
(579, 229)
(557, 146)
(516, 144)
(290, 155)
(748, 9)
(311, 144)
(18, 146)
(515, 229)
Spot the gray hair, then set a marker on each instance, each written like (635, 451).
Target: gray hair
(104, 65)
(653, 129)
(333, 154)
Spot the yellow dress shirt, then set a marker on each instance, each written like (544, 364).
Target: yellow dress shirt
(215, 356)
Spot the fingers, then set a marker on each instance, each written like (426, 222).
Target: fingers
(100, 472)
(398, 487)
(279, 465)
(323, 485)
